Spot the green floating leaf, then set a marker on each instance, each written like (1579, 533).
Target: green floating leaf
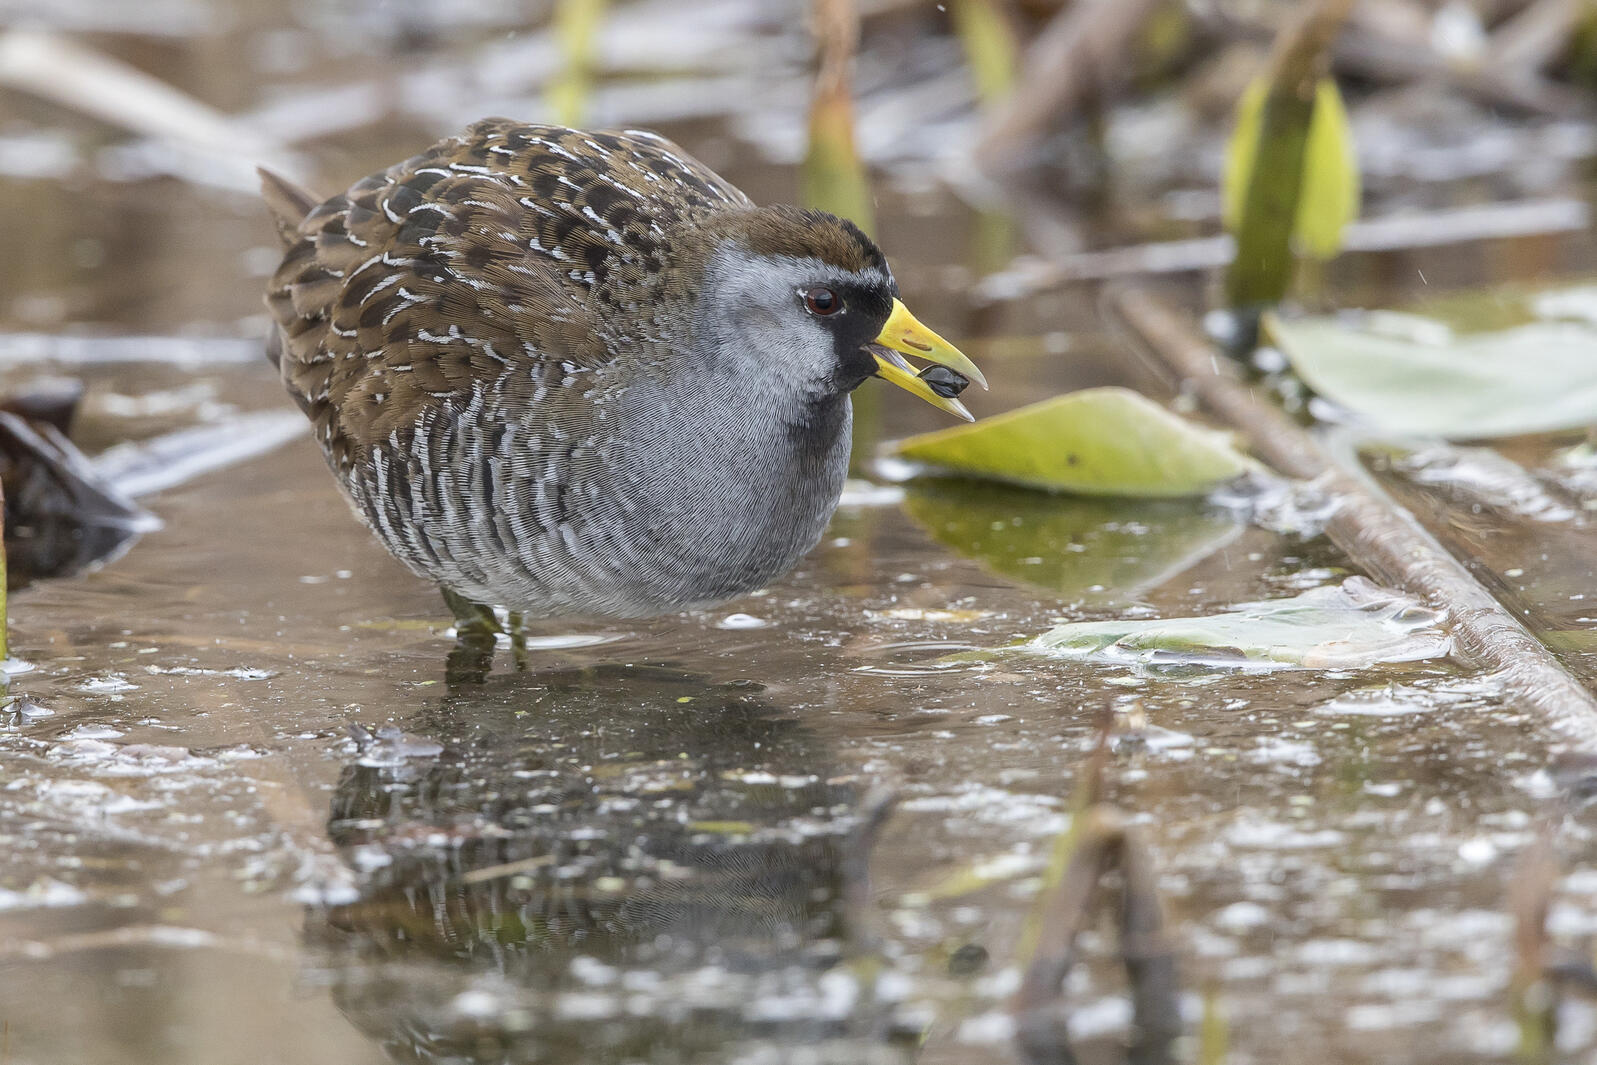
(1092, 550)
(1415, 377)
(1328, 192)
(1351, 626)
(1099, 441)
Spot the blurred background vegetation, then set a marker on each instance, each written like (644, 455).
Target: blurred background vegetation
(1086, 126)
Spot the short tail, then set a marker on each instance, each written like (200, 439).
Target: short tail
(289, 203)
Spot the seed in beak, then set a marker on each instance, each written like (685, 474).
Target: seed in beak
(945, 382)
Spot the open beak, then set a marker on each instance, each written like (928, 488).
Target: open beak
(903, 335)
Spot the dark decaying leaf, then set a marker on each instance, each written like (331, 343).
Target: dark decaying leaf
(60, 515)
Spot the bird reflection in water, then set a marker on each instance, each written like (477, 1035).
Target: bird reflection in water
(616, 864)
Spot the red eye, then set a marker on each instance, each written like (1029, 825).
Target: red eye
(822, 301)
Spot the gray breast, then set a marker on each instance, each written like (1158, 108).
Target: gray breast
(674, 507)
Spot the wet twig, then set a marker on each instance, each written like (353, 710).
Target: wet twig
(144, 937)
(1376, 534)
(63, 351)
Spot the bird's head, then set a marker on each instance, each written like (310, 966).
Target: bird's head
(802, 302)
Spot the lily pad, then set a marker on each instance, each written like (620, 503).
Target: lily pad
(1414, 376)
(1098, 442)
(1353, 625)
(1091, 550)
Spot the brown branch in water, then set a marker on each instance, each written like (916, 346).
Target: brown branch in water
(1375, 533)
(1078, 59)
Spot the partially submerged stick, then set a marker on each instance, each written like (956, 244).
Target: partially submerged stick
(1377, 534)
(1097, 841)
(1102, 842)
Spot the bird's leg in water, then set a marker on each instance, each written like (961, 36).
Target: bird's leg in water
(517, 631)
(476, 632)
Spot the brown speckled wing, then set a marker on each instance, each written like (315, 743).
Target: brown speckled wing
(495, 262)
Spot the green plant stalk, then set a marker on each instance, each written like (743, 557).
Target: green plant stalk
(1214, 1034)
(993, 238)
(991, 50)
(833, 176)
(1535, 1016)
(1262, 271)
(576, 27)
(867, 403)
(1582, 48)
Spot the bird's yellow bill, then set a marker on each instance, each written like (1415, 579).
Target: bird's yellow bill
(903, 335)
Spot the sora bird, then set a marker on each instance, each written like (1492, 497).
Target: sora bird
(579, 373)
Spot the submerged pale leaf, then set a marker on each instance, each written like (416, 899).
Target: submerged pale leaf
(1415, 377)
(1351, 626)
(1099, 441)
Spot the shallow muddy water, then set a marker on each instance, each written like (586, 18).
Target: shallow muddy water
(248, 820)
